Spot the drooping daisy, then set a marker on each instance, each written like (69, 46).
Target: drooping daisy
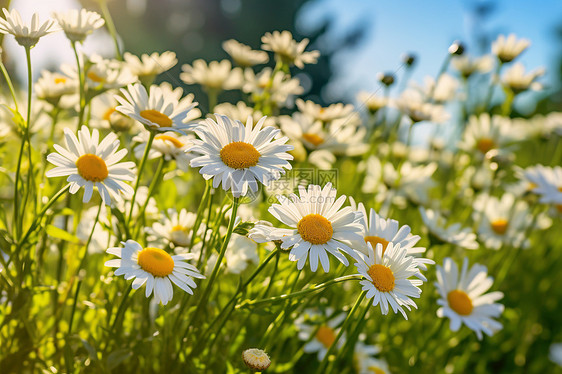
(387, 277)
(319, 330)
(147, 67)
(330, 113)
(376, 229)
(287, 50)
(156, 268)
(243, 55)
(52, 86)
(26, 35)
(467, 65)
(448, 233)
(516, 79)
(238, 156)
(256, 359)
(173, 229)
(318, 226)
(215, 76)
(155, 110)
(463, 298)
(91, 163)
(507, 49)
(78, 24)
(169, 145)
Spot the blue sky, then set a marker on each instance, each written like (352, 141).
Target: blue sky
(427, 28)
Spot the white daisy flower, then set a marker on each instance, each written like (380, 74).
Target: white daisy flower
(242, 251)
(78, 24)
(409, 181)
(374, 366)
(149, 66)
(26, 35)
(243, 55)
(387, 277)
(173, 229)
(170, 145)
(241, 111)
(372, 101)
(177, 94)
(328, 114)
(287, 50)
(156, 110)
(467, 65)
(318, 226)
(104, 116)
(448, 233)
(101, 75)
(90, 163)
(277, 88)
(516, 79)
(463, 299)
(444, 90)
(362, 356)
(51, 86)
(414, 105)
(319, 330)
(238, 155)
(156, 268)
(546, 182)
(484, 134)
(378, 230)
(507, 49)
(216, 76)
(503, 221)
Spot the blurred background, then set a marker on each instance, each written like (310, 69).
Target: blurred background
(357, 38)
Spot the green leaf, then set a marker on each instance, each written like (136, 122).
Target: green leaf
(243, 228)
(117, 357)
(61, 234)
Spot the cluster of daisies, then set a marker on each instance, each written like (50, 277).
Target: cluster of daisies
(244, 148)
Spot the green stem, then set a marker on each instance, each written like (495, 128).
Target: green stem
(121, 308)
(27, 135)
(318, 287)
(326, 360)
(81, 80)
(9, 82)
(212, 95)
(200, 212)
(141, 168)
(153, 183)
(111, 28)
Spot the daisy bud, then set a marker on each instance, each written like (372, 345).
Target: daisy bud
(256, 359)
(457, 48)
(386, 78)
(409, 59)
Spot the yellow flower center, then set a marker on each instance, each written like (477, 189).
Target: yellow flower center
(170, 139)
(108, 113)
(326, 335)
(239, 155)
(382, 276)
(485, 144)
(60, 80)
(313, 138)
(531, 186)
(460, 302)
(315, 229)
(499, 226)
(92, 168)
(156, 117)
(155, 261)
(374, 240)
(177, 228)
(94, 77)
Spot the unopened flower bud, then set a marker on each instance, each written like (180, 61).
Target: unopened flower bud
(457, 48)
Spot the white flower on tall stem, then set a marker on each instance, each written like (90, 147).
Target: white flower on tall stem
(90, 163)
(78, 24)
(318, 226)
(387, 277)
(238, 156)
(516, 79)
(287, 50)
(244, 55)
(216, 76)
(156, 268)
(507, 49)
(463, 298)
(449, 233)
(101, 75)
(156, 110)
(149, 66)
(26, 35)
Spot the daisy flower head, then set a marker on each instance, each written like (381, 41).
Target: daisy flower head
(318, 226)
(278, 87)
(256, 359)
(216, 76)
(26, 35)
(320, 329)
(363, 354)
(328, 114)
(448, 233)
(104, 115)
(415, 106)
(52, 86)
(156, 268)
(170, 145)
(287, 50)
(374, 366)
(243, 55)
(546, 182)
(154, 109)
(486, 133)
(241, 111)
(463, 298)
(78, 24)
(516, 79)
(147, 67)
(508, 48)
(238, 155)
(175, 229)
(90, 163)
(467, 65)
(387, 277)
(371, 101)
